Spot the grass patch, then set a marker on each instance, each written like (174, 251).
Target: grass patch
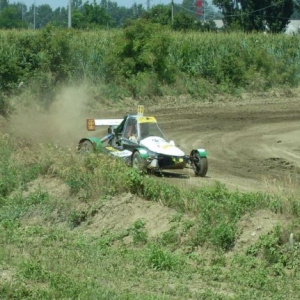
(48, 253)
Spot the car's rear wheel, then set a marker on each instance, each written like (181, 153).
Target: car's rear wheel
(200, 165)
(137, 162)
(86, 147)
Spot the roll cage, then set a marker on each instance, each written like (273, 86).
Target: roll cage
(135, 128)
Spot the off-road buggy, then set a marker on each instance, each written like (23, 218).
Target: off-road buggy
(139, 140)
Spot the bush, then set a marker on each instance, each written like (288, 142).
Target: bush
(160, 259)
(142, 48)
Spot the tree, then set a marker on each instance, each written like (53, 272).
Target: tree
(11, 16)
(77, 4)
(186, 22)
(60, 17)
(253, 14)
(277, 16)
(90, 16)
(3, 4)
(230, 11)
(43, 15)
(183, 21)
(160, 14)
(297, 5)
(119, 14)
(256, 15)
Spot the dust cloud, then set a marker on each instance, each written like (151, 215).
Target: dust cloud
(62, 124)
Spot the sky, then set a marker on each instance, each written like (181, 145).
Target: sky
(64, 3)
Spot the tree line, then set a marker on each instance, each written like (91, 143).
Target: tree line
(85, 15)
(245, 15)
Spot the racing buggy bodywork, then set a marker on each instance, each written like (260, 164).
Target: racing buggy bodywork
(139, 140)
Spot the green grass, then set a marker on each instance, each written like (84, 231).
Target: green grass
(46, 251)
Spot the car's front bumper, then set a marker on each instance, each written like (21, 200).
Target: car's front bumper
(161, 161)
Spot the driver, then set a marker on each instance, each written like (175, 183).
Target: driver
(132, 132)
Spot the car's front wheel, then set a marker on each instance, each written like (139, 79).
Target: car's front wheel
(200, 165)
(137, 162)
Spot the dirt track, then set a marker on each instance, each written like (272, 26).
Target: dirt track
(249, 144)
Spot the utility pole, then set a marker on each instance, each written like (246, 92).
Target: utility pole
(70, 15)
(172, 10)
(34, 15)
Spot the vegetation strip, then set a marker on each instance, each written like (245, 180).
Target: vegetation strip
(46, 249)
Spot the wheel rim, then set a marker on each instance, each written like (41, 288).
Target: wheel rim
(86, 149)
(137, 161)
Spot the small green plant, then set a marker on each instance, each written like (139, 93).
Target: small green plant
(187, 225)
(276, 204)
(139, 232)
(77, 181)
(37, 197)
(170, 237)
(76, 218)
(223, 236)
(32, 269)
(219, 260)
(176, 218)
(160, 259)
(135, 181)
(271, 248)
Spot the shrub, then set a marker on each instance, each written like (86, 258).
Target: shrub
(139, 232)
(142, 48)
(160, 259)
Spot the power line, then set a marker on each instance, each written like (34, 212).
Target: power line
(245, 13)
(254, 11)
(193, 11)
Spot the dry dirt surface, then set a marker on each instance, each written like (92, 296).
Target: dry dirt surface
(249, 144)
(252, 143)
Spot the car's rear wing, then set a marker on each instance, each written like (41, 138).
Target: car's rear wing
(91, 124)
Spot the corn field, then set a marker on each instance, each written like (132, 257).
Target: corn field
(139, 58)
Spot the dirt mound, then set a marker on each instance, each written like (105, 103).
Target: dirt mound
(55, 187)
(113, 214)
(252, 226)
(120, 213)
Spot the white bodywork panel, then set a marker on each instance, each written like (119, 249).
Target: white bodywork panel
(124, 153)
(159, 145)
(108, 122)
